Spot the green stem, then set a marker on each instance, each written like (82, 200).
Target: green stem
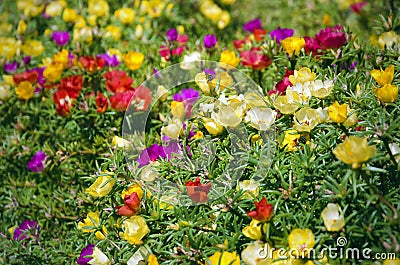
(377, 193)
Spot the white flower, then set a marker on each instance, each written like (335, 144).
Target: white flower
(299, 93)
(99, 258)
(189, 59)
(333, 217)
(261, 118)
(205, 107)
(323, 115)
(321, 89)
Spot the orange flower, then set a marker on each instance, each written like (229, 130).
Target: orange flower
(197, 191)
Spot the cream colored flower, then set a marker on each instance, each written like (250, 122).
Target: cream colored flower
(321, 89)
(212, 126)
(333, 217)
(173, 129)
(120, 142)
(139, 256)
(305, 119)
(189, 60)
(99, 258)
(261, 118)
(251, 255)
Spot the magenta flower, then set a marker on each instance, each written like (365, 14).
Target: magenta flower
(27, 227)
(37, 162)
(281, 34)
(187, 94)
(61, 38)
(86, 255)
(210, 72)
(357, 7)
(27, 60)
(252, 25)
(172, 34)
(110, 61)
(10, 68)
(151, 154)
(209, 41)
(331, 38)
(312, 46)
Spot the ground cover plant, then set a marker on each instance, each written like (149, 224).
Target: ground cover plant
(199, 132)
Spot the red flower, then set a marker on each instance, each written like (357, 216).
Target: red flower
(263, 212)
(63, 101)
(255, 60)
(72, 85)
(101, 103)
(117, 81)
(142, 98)
(259, 34)
(131, 205)
(30, 76)
(281, 86)
(197, 191)
(332, 38)
(92, 64)
(120, 101)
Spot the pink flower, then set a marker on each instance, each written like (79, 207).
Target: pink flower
(357, 7)
(312, 46)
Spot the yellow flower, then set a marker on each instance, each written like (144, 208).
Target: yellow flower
(61, 58)
(222, 80)
(31, 9)
(90, 223)
(33, 48)
(383, 77)
(131, 189)
(80, 22)
(212, 126)
(302, 75)
(178, 109)
(8, 47)
(291, 140)
(69, 15)
(301, 240)
(223, 20)
(126, 15)
(333, 217)
(283, 105)
(152, 260)
(354, 150)
(395, 261)
(224, 258)
(99, 258)
(351, 119)
(21, 27)
(101, 187)
(326, 20)
(91, 19)
(113, 32)
(98, 8)
(305, 119)
(25, 90)
(101, 234)
(293, 45)
(388, 93)
(154, 8)
(253, 230)
(338, 113)
(55, 8)
(53, 72)
(133, 60)
(229, 57)
(173, 129)
(135, 228)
